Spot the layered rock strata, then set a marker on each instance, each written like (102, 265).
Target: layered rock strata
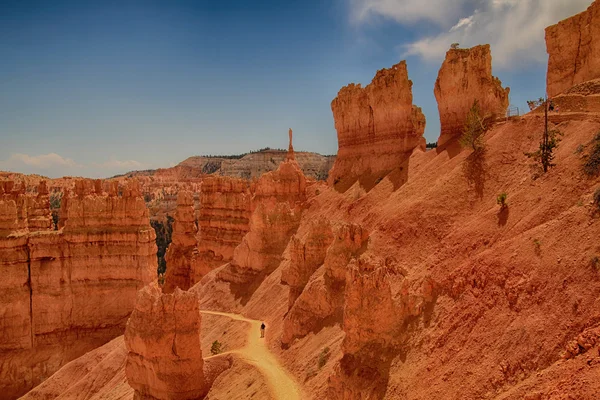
(164, 358)
(71, 290)
(466, 77)
(573, 50)
(223, 218)
(377, 127)
(277, 207)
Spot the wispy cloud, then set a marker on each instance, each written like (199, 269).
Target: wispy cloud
(117, 164)
(55, 165)
(41, 161)
(514, 28)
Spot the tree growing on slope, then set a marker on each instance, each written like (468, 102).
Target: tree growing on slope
(474, 129)
(550, 139)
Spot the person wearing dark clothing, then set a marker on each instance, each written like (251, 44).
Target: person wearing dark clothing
(262, 330)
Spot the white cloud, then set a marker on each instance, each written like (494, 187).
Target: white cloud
(513, 28)
(117, 164)
(41, 161)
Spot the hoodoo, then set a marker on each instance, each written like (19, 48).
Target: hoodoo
(377, 128)
(466, 76)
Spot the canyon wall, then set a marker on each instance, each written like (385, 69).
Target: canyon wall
(71, 290)
(466, 77)
(573, 50)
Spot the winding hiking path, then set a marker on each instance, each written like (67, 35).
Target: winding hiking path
(256, 353)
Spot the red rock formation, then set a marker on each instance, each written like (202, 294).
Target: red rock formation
(306, 256)
(371, 325)
(182, 254)
(39, 217)
(164, 358)
(223, 218)
(278, 202)
(573, 47)
(377, 126)
(290, 153)
(71, 290)
(466, 76)
(322, 299)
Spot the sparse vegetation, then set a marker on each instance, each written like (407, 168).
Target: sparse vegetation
(597, 198)
(538, 246)
(501, 200)
(216, 348)
(55, 202)
(163, 239)
(579, 149)
(545, 153)
(474, 129)
(595, 262)
(591, 166)
(323, 357)
(432, 145)
(454, 46)
(533, 104)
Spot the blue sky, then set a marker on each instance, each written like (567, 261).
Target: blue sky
(99, 88)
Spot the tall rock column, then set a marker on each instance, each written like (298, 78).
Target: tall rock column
(182, 254)
(162, 336)
(466, 76)
(377, 128)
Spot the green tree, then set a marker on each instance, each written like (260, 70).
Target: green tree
(474, 129)
(550, 139)
(215, 348)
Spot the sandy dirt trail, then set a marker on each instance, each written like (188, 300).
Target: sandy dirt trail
(256, 353)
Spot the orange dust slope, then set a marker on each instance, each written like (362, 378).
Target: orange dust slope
(512, 288)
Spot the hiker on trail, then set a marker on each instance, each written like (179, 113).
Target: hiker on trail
(262, 330)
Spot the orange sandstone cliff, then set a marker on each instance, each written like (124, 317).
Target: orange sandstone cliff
(466, 76)
(69, 290)
(377, 128)
(573, 50)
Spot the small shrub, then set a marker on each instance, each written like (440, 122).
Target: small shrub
(324, 357)
(579, 149)
(545, 152)
(538, 246)
(597, 198)
(336, 180)
(317, 192)
(595, 262)
(454, 46)
(501, 199)
(215, 348)
(591, 166)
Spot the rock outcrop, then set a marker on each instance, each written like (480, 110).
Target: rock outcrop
(223, 218)
(277, 208)
(307, 254)
(321, 301)
(182, 255)
(573, 47)
(164, 359)
(466, 77)
(371, 325)
(377, 127)
(71, 290)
